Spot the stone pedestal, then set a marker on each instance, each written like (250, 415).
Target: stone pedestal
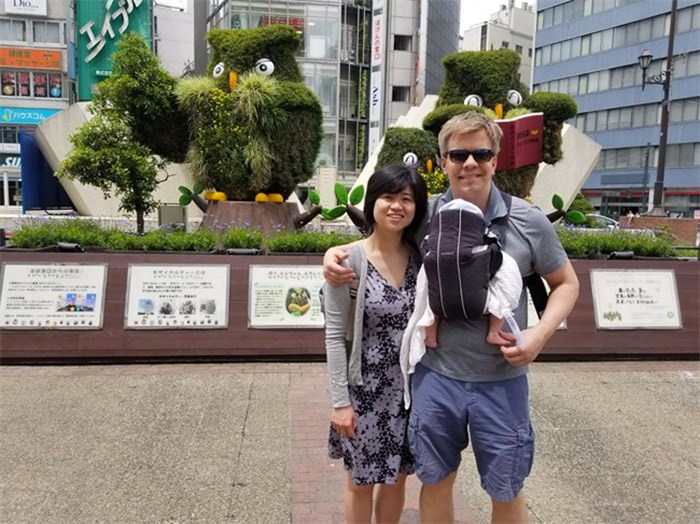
(268, 217)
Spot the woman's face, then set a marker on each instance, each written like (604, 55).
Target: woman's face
(395, 211)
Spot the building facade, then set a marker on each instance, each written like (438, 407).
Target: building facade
(36, 81)
(509, 28)
(589, 49)
(368, 62)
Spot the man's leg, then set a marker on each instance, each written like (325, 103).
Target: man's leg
(513, 512)
(436, 504)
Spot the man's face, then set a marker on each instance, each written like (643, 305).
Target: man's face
(470, 180)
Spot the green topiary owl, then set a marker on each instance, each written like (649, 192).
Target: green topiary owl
(255, 126)
(488, 82)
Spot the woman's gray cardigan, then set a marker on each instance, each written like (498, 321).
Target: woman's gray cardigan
(344, 361)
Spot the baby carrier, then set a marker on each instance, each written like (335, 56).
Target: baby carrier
(462, 256)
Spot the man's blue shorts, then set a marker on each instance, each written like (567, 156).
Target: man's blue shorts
(497, 417)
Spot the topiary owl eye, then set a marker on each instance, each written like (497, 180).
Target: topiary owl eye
(264, 66)
(514, 98)
(219, 69)
(410, 159)
(473, 100)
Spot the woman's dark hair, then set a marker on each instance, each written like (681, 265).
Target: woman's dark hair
(391, 180)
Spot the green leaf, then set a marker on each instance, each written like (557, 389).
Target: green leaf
(356, 195)
(198, 188)
(557, 202)
(185, 200)
(314, 198)
(336, 212)
(576, 217)
(324, 214)
(185, 190)
(341, 195)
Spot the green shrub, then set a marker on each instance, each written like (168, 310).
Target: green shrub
(241, 238)
(34, 233)
(585, 243)
(309, 241)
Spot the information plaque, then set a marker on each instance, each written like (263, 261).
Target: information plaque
(635, 299)
(285, 297)
(178, 296)
(52, 296)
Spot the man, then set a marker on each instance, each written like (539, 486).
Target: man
(466, 387)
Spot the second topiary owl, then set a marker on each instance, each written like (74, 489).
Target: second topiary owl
(255, 126)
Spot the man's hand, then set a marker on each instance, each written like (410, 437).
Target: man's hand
(334, 272)
(344, 421)
(517, 355)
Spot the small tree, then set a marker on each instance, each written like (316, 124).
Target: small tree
(106, 155)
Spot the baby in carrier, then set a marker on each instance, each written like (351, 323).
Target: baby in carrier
(468, 274)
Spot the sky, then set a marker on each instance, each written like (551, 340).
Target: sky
(475, 11)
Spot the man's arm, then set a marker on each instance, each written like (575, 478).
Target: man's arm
(564, 291)
(335, 273)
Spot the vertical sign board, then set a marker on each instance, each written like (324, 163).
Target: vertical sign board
(100, 24)
(377, 63)
(52, 296)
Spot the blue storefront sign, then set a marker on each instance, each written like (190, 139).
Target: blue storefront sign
(25, 115)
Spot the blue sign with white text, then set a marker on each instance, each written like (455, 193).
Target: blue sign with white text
(25, 115)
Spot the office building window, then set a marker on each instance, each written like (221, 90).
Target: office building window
(13, 30)
(400, 94)
(519, 49)
(504, 44)
(402, 42)
(46, 32)
(31, 84)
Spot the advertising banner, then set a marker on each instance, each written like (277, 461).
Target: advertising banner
(377, 64)
(285, 297)
(100, 26)
(24, 115)
(26, 7)
(30, 58)
(179, 296)
(52, 296)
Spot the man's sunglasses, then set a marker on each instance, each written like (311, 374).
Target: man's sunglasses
(460, 156)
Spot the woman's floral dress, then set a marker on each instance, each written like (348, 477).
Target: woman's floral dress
(379, 451)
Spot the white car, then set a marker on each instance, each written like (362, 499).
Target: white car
(603, 222)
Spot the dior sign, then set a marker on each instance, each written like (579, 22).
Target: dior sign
(26, 7)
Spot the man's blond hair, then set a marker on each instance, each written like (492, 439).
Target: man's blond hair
(468, 123)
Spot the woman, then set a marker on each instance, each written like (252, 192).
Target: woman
(368, 424)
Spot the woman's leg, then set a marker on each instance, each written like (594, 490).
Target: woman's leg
(389, 503)
(358, 502)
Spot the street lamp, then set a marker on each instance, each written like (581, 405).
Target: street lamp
(664, 79)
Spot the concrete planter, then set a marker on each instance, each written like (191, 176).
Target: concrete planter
(581, 339)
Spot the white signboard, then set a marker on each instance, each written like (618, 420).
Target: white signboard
(26, 7)
(532, 318)
(285, 297)
(377, 63)
(635, 299)
(52, 296)
(177, 297)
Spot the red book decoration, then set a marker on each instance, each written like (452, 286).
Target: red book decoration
(521, 144)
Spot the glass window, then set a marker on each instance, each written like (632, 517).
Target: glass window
(628, 75)
(538, 57)
(504, 44)
(582, 84)
(696, 158)
(558, 14)
(601, 121)
(685, 154)
(610, 159)
(683, 20)
(548, 16)
(597, 6)
(614, 119)
(587, 6)
(580, 122)
(556, 52)
(529, 52)
(693, 65)
(658, 24)
(569, 11)
(402, 42)
(596, 40)
(590, 123)
(625, 117)
(619, 36)
(519, 49)
(604, 80)
(400, 94)
(637, 116)
(623, 158)
(616, 78)
(672, 155)
(690, 110)
(651, 114)
(696, 17)
(566, 49)
(644, 30)
(46, 32)
(676, 113)
(322, 80)
(13, 30)
(593, 82)
(606, 40)
(585, 45)
(540, 20)
(635, 158)
(575, 47)
(546, 54)
(41, 84)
